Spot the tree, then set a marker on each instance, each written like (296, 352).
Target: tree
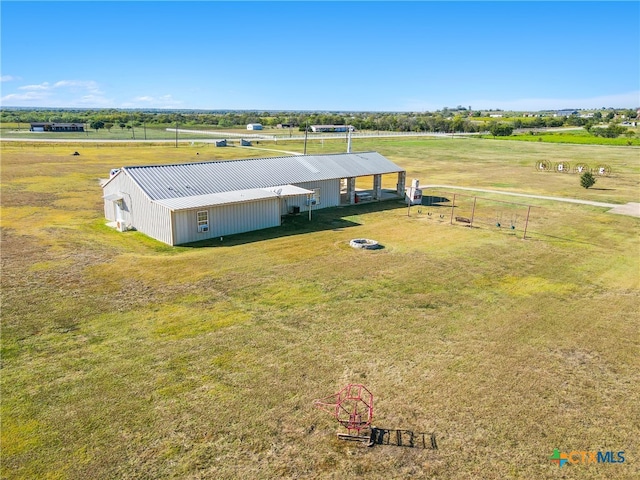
(457, 124)
(500, 129)
(97, 124)
(574, 121)
(587, 180)
(612, 131)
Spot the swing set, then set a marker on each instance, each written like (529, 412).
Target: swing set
(503, 219)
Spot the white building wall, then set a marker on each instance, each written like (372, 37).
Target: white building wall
(329, 195)
(226, 220)
(137, 209)
(175, 228)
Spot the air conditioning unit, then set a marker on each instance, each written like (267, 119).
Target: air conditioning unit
(203, 228)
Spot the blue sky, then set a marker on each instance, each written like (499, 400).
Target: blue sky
(329, 56)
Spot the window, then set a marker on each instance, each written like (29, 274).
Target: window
(316, 196)
(203, 221)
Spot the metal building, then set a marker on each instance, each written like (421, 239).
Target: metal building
(186, 203)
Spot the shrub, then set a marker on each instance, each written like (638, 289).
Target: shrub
(587, 180)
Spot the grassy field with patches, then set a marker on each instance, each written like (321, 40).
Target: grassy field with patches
(578, 136)
(125, 358)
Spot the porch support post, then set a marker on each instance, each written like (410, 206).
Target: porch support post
(377, 187)
(351, 190)
(402, 179)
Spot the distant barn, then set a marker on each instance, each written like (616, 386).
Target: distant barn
(331, 128)
(185, 203)
(56, 127)
(566, 113)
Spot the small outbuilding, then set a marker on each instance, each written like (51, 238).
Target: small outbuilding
(331, 128)
(56, 127)
(254, 126)
(185, 203)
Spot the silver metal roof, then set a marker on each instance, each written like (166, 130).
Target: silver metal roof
(237, 196)
(195, 179)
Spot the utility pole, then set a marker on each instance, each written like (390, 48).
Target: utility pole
(306, 129)
(176, 133)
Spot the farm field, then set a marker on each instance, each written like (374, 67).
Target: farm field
(578, 136)
(125, 358)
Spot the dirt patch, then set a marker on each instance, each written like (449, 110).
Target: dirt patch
(23, 198)
(631, 209)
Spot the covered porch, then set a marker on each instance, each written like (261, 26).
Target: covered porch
(372, 188)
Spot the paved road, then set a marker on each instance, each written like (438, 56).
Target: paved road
(632, 209)
(235, 136)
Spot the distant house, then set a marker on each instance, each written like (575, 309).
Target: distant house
(566, 113)
(331, 128)
(56, 127)
(254, 126)
(185, 203)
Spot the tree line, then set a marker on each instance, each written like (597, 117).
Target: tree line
(445, 121)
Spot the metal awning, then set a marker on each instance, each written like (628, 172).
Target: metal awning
(289, 190)
(236, 196)
(113, 197)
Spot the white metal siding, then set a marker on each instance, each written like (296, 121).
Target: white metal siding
(226, 220)
(140, 187)
(138, 210)
(329, 195)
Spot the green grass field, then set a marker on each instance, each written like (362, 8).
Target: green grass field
(578, 136)
(125, 358)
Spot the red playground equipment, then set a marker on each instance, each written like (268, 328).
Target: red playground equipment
(352, 407)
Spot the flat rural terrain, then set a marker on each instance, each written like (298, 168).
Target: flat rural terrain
(125, 358)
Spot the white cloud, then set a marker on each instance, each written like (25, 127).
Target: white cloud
(63, 93)
(42, 86)
(88, 85)
(8, 78)
(94, 101)
(146, 101)
(27, 97)
(624, 100)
